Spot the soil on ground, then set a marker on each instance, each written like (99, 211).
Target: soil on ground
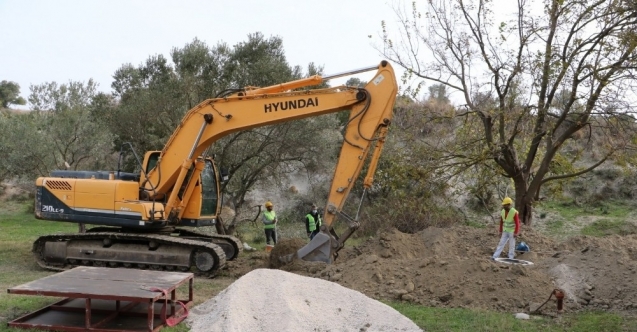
(451, 267)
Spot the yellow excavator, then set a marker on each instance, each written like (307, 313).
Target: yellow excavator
(142, 218)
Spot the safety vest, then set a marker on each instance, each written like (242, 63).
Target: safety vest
(268, 219)
(509, 223)
(313, 224)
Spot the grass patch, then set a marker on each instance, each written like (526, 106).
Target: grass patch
(450, 320)
(475, 224)
(604, 227)
(555, 226)
(570, 210)
(18, 230)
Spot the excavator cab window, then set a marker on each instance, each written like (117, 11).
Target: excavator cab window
(152, 160)
(210, 189)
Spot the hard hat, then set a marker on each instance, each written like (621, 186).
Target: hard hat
(507, 200)
(269, 204)
(522, 246)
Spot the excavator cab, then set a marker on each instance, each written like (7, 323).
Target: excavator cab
(200, 195)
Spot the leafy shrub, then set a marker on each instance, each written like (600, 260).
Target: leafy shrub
(607, 173)
(408, 216)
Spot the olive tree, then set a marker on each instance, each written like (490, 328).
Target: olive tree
(150, 99)
(10, 94)
(67, 127)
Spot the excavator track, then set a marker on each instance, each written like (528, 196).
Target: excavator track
(128, 250)
(231, 246)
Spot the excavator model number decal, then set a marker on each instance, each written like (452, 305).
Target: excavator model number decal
(50, 208)
(291, 105)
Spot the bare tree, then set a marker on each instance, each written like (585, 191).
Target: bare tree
(509, 74)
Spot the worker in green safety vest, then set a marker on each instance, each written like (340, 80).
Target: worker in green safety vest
(313, 222)
(269, 220)
(509, 228)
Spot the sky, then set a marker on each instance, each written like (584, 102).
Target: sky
(76, 40)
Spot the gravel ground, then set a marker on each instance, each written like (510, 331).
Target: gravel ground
(275, 300)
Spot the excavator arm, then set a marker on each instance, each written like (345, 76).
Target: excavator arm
(371, 112)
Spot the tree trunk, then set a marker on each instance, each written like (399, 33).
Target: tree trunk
(525, 211)
(524, 200)
(220, 227)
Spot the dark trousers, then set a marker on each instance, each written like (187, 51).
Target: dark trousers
(313, 234)
(270, 234)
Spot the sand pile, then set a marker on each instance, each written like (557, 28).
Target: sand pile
(274, 300)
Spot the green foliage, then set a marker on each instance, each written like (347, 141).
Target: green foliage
(23, 147)
(438, 92)
(10, 94)
(74, 140)
(475, 224)
(156, 94)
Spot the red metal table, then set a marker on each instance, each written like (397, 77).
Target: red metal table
(106, 299)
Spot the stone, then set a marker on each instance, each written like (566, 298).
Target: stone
(521, 315)
(336, 277)
(410, 287)
(533, 306)
(407, 297)
(519, 270)
(371, 259)
(445, 298)
(399, 292)
(585, 296)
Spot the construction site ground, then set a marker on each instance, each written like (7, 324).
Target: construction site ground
(451, 268)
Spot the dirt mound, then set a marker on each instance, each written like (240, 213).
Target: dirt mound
(282, 249)
(450, 267)
(598, 272)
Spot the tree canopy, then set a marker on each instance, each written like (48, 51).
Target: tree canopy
(525, 85)
(10, 94)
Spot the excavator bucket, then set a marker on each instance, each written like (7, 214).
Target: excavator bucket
(320, 249)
